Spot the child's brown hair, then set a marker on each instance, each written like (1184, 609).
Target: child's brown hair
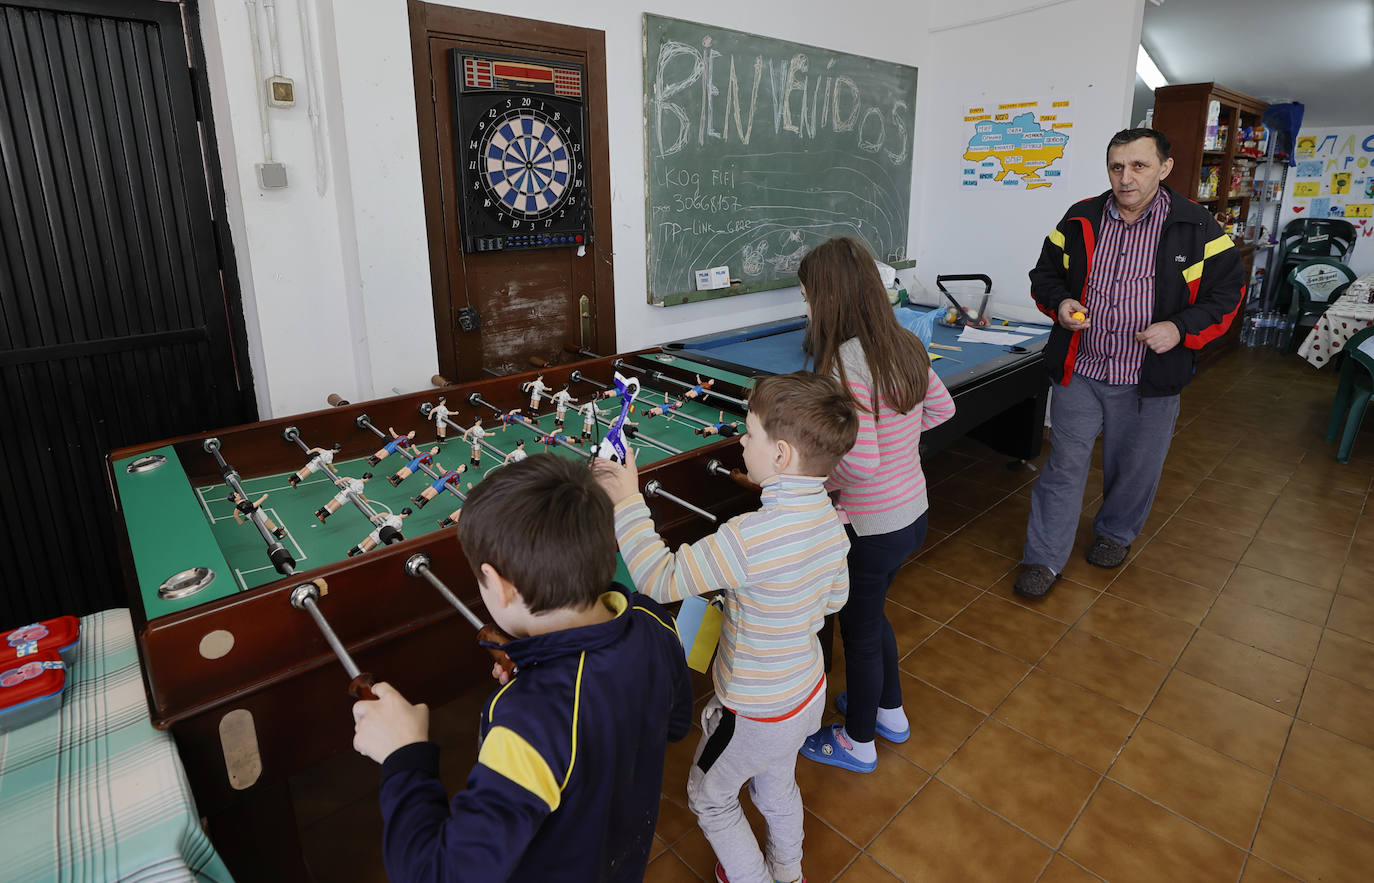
(809, 411)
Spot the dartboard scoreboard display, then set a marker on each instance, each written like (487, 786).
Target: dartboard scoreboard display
(520, 127)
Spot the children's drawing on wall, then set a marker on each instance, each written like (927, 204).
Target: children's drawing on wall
(1334, 176)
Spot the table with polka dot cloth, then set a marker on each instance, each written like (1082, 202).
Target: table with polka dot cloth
(1346, 316)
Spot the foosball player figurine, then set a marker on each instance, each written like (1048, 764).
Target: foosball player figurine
(406, 471)
(452, 517)
(588, 412)
(440, 413)
(243, 508)
(397, 443)
(720, 427)
(668, 407)
(475, 433)
(513, 416)
(561, 400)
(370, 541)
(516, 455)
(536, 388)
(435, 489)
(319, 458)
(346, 486)
(696, 391)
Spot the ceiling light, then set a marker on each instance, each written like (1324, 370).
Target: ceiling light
(1146, 70)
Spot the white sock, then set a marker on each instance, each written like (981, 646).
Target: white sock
(864, 751)
(893, 719)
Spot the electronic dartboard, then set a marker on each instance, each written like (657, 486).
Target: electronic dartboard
(519, 125)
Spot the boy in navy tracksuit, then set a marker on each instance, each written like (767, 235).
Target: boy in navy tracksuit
(570, 771)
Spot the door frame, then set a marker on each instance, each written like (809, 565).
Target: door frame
(510, 34)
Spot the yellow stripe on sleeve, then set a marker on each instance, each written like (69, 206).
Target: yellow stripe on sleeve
(1057, 238)
(1217, 246)
(1193, 273)
(1066, 260)
(505, 752)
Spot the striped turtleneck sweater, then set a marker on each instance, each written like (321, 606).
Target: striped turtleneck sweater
(782, 570)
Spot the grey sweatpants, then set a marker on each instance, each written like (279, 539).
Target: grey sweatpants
(1135, 439)
(735, 750)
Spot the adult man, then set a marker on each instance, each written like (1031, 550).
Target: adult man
(1137, 279)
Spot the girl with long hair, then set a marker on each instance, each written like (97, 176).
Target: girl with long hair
(854, 335)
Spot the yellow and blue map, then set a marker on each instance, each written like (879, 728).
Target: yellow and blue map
(1017, 145)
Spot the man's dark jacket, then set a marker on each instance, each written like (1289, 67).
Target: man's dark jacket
(1199, 286)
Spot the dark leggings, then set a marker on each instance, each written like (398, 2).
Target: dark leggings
(870, 648)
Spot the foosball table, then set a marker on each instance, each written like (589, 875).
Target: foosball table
(261, 557)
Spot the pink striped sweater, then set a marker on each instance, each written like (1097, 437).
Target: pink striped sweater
(881, 485)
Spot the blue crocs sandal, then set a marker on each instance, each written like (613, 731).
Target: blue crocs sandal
(842, 702)
(824, 747)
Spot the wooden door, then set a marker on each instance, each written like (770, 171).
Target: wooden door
(532, 304)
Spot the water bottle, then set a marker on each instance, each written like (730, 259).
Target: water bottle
(1267, 333)
(1285, 332)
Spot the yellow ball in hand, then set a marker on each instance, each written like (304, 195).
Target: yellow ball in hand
(1079, 315)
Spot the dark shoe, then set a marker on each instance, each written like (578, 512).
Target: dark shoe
(322, 514)
(1035, 581)
(279, 533)
(395, 481)
(295, 482)
(373, 461)
(1106, 553)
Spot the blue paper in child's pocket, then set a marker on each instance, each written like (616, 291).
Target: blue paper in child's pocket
(698, 625)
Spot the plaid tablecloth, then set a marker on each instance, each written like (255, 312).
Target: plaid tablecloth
(94, 792)
(1348, 314)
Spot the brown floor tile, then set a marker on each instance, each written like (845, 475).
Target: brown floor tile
(1065, 602)
(1335, 520)
(966, 669)
(1307, 539)
(346, 845)
(1331, 475)
(1068, 718)
(1061, 870)
(1274, 592)
(1357, 582)
(1307, 836)
(1330, 766)
(950, 516)
(969, 494)
(958, 841)
(1265, 629)
(1347, 658)
(1257, 871)
(1080, 571)
(1001, 531)
(965, 561)
(1270, 680)
(668, 868)
(1321, 572)
(658, 848)
(1195, 567)
(1220, 719)
(1339, 706)
(909, 628)
(858, 805)
(1237, 519)
(677, 762)
(1124, 838)
(1029, 785)
(674, 818)
(1008, 627)
(866, 870)
(1126, 678)
(939, 723)
(1220, 794)
(1245, 476)
(1137, 628)
(1204, 538)
(1163, 593)
(1351, 616)
(930, 592)
(1234, 495)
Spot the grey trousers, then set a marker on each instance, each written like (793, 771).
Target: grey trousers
(735, 750)
(1135, 439)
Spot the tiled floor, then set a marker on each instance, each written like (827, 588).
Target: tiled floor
(1206, 712)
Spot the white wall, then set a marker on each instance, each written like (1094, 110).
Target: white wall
(336, 285)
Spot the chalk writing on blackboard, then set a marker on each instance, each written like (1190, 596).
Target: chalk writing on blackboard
(759, 149)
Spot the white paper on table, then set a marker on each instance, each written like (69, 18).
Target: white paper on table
(1025, 329)
(1367, 347)
(1000, 338)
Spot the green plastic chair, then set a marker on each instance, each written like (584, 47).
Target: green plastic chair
(1304, 239)
(1315, 284)
(1353, 392)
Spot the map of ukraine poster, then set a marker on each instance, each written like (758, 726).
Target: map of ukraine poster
(1020, 145)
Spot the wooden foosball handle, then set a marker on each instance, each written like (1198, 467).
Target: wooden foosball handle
(361, 687)
(440, 380)
(739, 478)
(335, 400)
(491, 634)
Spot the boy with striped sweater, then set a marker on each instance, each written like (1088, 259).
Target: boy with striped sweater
(782, 570)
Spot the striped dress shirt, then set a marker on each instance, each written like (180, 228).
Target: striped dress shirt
(1121, 293)
(783, 570)
(881, 485)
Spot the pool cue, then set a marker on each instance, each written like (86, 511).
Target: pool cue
(715, 467)
(276, 552)
(306, 596)
(388, 534)
(418, 565)
(660, 377)
(943, 346)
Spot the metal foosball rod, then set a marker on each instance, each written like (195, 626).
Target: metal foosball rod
(715, 467)
(489, 633)
(487, 446)
(654, 488)
(306, 596)
(660, 377)
(276, 552)
(634, 432)
(387, 534)
(476, 399)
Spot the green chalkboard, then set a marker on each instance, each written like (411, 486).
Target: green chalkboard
(759, 149)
